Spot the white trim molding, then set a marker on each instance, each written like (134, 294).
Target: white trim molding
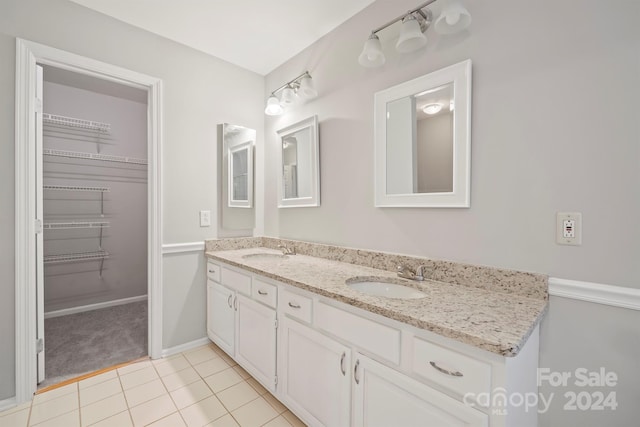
(184, 347)
(616, 296)
(7, 404)
(28, 55)
(90, 307)
(177, 248)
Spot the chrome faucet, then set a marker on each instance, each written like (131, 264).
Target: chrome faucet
(286, 250)
(406, 273)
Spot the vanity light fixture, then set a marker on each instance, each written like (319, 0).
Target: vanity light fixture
(432, 109)
(300, 87)
(454, 18)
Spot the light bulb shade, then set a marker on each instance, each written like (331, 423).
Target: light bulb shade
(288, 96)
(432, 109)
(453, 19)
(273, 107)
(306, 89)
(372, 55)
(411, 36)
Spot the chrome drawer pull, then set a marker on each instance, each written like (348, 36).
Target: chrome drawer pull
(212, 271)
(229, 301)
(355, 372)
(444, 371)
(344, 354)
(294, 305)
(261, 292)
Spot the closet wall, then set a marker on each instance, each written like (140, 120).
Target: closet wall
(123, 209)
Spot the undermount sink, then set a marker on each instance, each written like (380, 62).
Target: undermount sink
(264, 255)
(383, 287)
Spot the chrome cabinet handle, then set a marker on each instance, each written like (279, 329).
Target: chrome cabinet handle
(355, 372)
(445, 371)
(235, 303)
(344, 354)
(212, 271)
(293, 305)
(261, 292)
(229, 301)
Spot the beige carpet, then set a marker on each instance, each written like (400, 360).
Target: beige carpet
(85, 342)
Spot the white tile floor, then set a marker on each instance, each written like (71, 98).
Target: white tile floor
(197, 388)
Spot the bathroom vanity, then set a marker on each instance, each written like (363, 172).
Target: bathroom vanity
(313, 329)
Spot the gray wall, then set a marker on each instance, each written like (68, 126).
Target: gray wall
(199, 92)
(435, 153)
(125, 205)
(555, 127)
(583, 335)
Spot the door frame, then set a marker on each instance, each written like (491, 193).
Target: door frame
(29, 53)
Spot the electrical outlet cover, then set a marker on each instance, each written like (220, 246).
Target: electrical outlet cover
(205, 218)
(569, 228)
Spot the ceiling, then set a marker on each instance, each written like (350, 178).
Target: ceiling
(257, 35)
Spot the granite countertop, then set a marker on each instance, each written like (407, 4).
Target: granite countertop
(499, 322)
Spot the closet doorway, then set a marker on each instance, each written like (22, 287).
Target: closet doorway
(88, 251)
(94, 212)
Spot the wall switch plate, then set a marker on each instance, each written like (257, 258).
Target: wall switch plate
(205, 218)
(569, 228)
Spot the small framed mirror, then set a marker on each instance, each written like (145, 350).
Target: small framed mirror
(241, 175)
(423, 141)
(299, 177)
(236, 212)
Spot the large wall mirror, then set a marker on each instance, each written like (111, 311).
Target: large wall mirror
(236, 214)
(423, 140)
(298, 178)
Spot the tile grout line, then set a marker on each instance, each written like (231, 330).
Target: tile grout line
(125, 397)
(169, 394)
(29, 415)
(79, 404)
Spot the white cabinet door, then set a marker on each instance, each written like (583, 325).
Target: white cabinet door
(256, 341)
(221, 316)
(314, 377)
(384, 397)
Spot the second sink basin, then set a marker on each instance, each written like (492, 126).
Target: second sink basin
(264, 255)
(383, 287)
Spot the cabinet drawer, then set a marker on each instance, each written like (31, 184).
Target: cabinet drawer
(264, 292)
(379, 339)
(236, 281)
(295, 305)
(213, 271)
(457, 372)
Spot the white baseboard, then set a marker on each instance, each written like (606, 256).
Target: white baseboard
(616, 296)
(10, 403)
(90, 307)
(177, 248)
(7, 403)
(184, 347)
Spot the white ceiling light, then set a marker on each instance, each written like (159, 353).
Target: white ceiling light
(307, 89)
(302, 86)
(288, 97)
(432, 109)
(411, 37)
(372, 55)
(273, 106)
(454, 18)
(414, 24)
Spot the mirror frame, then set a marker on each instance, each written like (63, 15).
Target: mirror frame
(314, 199)
(231, 222)
(248, 147)
(460, 75)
